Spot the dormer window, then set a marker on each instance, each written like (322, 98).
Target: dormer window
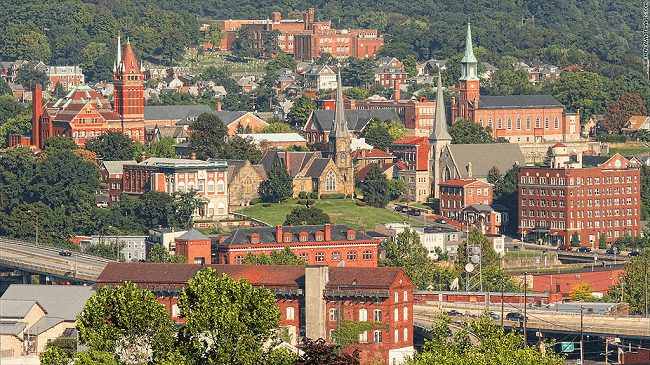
(351, 235)
(303, 237)
(287, 237)
(319, 236)
(255, 238)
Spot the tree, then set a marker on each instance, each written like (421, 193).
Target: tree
(632, 279)
(496, 347)
(489, 257)
(645, 191)
(163, 148)
(172, 45)
(208, 136)
(311, 216)
(319, 353)
(277, 127)
(510, 82)
(20, 124)
(271, 46)
(185, 204)
(356, 93)
(238, 148)
(4, 87)
(128, 322)
(494, 177)
(160, 254)
(410, 65)
(59, 143)
(300, 111)
(284, 257)
(227, 321)
(59, 91)
(54, 356)
(281, 60)
(28, 76)
(507, 190)
(406, 251)
(326, 59)
(112, 146)
(575, 240)
(620, 111)
(396, 188)
(213, 35)
(468, 132)
(244, 44)
(375, 188)
(278, 186)
(382, 134)
(602, 242)
(584, 91)
(358, 72)
(581, 292)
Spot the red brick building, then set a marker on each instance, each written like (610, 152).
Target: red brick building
(366, 157)
(112, 173)
(413, 152)
(328, 244)
(601, 278)
(591, 195)
(456, 194)
(312, 299)
(195, 247)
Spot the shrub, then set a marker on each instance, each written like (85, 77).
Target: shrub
(255, 201)
(302, 195)
(402, 200)
(311, 201)
(313, 195)
(614, 138)
(349, 196)
(302, 201)
(266, 205)
(360, 203)
(332, 196)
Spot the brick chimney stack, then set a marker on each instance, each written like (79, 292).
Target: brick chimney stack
(218, 106)
(328, 232)
(396, 92)
(193, 157)
(37, 110)
(278, 234)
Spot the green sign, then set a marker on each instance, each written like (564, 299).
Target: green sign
(567, 346)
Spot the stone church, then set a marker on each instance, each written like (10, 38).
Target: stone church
(321, 172)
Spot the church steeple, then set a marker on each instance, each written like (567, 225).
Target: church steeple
(340, 126)
(440, 126)
(438, 141)
(339, 137)
(469, 62)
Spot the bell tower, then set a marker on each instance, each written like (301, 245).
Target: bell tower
(469, 82)
(339, 138)
(129, 86)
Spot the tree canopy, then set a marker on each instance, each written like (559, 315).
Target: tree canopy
(375, 188)
(632, 280)
(309, 215)
(278, 185)
(406, 251)
(208, 136)
(112, 146)
(468, 132)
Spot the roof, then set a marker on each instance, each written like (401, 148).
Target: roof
(274, 137)
(412, 140)
(130, 64)
(227, 117)
(559, 145)
(116, 167)
(356, 119)
(519, 102)
(147, 272)
(175, 112)
(373, 153)
(17, 309)
(361, 174)
(485, 156)
(297, 160)
(60, 301)
(635, 122)
(486, 208)
(241, 236)
(317, 167)
(595, 161)
(192, 235)
(457, 182)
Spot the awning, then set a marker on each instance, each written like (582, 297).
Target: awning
(540, 230)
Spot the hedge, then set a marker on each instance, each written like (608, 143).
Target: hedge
(302, 201)
(313, 195)
(361, 204)
(332, 196)
(302, 195)
(266, 205)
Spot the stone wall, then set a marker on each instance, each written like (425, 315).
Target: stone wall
(536, 152)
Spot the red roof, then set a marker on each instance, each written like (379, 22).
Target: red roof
(559, 145)
(129, 61)
(457, 182)
(412, 140)
(373, 153)
(361, 174)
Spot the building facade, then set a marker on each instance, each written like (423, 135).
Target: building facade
(456, 194)
(67, 76)
(593, 196)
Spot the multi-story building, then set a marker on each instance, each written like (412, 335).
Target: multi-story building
(488, 218)
(164, 237)
(456, 194)
(413, 152)
(367, 157)
(67, 76)
(313, 300)
(328, 244)
(135, 247)
(112, 175)
(441, 236)
(593, 196)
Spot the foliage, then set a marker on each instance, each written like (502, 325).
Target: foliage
(4, 88)
(645, 191)
(185, 204)
(300, 111)
(632, 279)
(278, 185)
(375, 188)
(410, 65)
(208, 136)
(581, 292)
(382, 134)
(584, 91)
(358, 72)
(310, 215)
(126, 321)
(396, 188)
(489, 257)
(160, 254)
(575, 240)
(284, 257)
(67, 344)
(244, 44)
(505, 192)
(602, 242)
(29, 76)
(615, 138)
(108, 249)
(281, 60)
(510, 82)
(406, 251)
(468, 132)
(60, 143)
(620, 111)
(497, 347)
(319, 353)
(54, 355)
(213, 35)
(277, 127)
(20, 124)
(348, 332)
(239, 148)
(356, 93)
(227, 321)
(112, 146)
(163, 148)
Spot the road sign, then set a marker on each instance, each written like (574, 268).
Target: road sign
(567, 346)
(537, 260)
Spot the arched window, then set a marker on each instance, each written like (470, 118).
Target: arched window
(509, 123)
(406, 334)
(331, 181)
(201, 186)
(480, 121)
(221, 209)
(557, 123)
(181, 186)
(406, 313)
(304, 257)
(210, 186)
(190, 185)
(352, 256)
(376, 315)
(239, 260)
(396, 315)
(210, 209)
(528, 123)
(220, 186)
(336, 256)
(248, 185)
(500, 124)
(537, 122)
(547, 123)
(377, 336)
(490, 122)
(518, 124)
(367, 255)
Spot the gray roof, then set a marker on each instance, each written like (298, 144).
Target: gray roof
(316, 168)
(594, 160)
(227, 117)
(485, 156)
(192, 235)
(174, 112)
(63, 302)
(15, 308)
(518, 102)
(267, 234)
(487, 208)
(116, 167)
(297, 160)
(12, 328)
(356, 119)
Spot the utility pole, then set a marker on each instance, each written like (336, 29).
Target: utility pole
(502, 285)
(582, 342)
(525, 307)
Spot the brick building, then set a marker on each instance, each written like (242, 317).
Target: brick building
(413, 152)
(327, 244)
(456, 194)
(68, 76)
(488, 218)
(195, 247)
(589, 195)
(112, 173)
(313, 300)
(601, 278)
(517, 118)
(367, 157)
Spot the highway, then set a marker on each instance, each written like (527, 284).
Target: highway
(45, 260)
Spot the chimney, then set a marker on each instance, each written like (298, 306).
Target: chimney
(37, 109)
(328, 232)
(277, 16)
(218, 106)
(579, 158)
(278, 234)
(396, 93)
(143, 156)
(287, 160)
(316, 280)
(469, 170)
(173, 229)
(193, 157)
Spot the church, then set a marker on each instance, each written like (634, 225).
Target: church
(314, 171)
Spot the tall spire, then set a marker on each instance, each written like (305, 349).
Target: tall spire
(469, 62)
(119, 49)
(469, 48)
(340, 126)
(440, 126)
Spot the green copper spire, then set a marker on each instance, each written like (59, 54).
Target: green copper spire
(440, 125)
(469, 62)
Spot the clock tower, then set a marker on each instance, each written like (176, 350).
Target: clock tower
(339, 138)
(469, 83)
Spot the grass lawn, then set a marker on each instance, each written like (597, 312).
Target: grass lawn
(523, 254)
(628, 151)
(341, 211)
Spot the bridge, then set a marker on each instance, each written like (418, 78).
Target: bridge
(27, 258)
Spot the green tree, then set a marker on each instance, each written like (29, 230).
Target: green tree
(4, 87)
(111, 146)
(54, 356)
(311, 216)
(59, 91)
(281, 60)
(645, 191)
(213, 35)
(381, 134)
(602, 242)
(396, 188)
(277, 127)
(59, 143)
(373, 20)
(632, 279)
(620, 111)
(244, 44)
(507, 189)
(208, 136)
(278, 186)
(468, 132)
(239, 148)
(185, 204)
(326, 59)
(356, 93)
(510, 82)
(410, 65)
(20, 124)
(300, 111)
(284, 257)
(575, 240)
(375, 188)
(163, 148)
(581, 292)
(127, 322)
(28, 76)
(584, 91)
(160, 254)
(406, 251)
(489, 257)
(358, 72)
(227, 321)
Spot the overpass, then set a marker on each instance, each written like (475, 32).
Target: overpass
(572, 257)
(27, 258)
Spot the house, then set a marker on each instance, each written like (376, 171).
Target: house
(432, 236)
(135, 247)
(68, 76)
(111, 173)
(431, 67)
(34, 315)
(313, 300)
(178, 133)
(164, 237)
(388, 75)
(365, 157)
(233, 119)
(455, 194)
(391, 170)
(244, 181)
(319, 124)
(636, 123)
(413, 152)
(195, 247)
(275, 141)
(320, 77)
(488, 218)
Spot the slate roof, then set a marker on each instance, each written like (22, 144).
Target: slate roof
(12, 328)
(241, 236)
(361, 174)
(356, 119)
(298, 160)
(487, 208)
(174, 112)
(227, 117)
(116, 167)
(373, 153)
(173, 132)
(594, 160)
(59, 301)
(192, 235)
(147, 272)
(364, 277)
(317, 166)
(233, 168)
(518, 102)
(485, 156)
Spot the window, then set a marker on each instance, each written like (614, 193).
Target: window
(220, 186)
(547, 123)
(331, 181)
(363, 315)
(377, 336)
(396, 315)
(303, 238)
(319, 257)
(500, 124)
(334, 314)
(406, 334)
(239, 260)
(376, 315)
(490, 122)
(518, 124)
(352, 255)
(396, 297)
(319, 237)
(367, 255)
(290, 313)
(363, 337)
(406, 296)
(210, 186)
(190, 185)
(557, 123)
(406, 313)
(509, 123)
(336, 256)
(528, 123)
(181, 186)
(304, 257)
(395, 336)
(287, 238)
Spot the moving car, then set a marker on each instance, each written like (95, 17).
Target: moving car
(513, 316)
(565, 248)
(454, 313)
(584, 249)
(493, 316)
(613, 251)
(65, 253)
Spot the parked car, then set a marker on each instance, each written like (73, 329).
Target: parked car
(65, 253)
(441, 221)
(613, 251)
(513, 316)
(398, 208)
(565, 248)
(515, 248)
(414, 211)
(584, 249)
(454, 313)
(634, 254)
(493, 316)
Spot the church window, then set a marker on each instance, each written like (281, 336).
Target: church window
(547, 123)
(480, 121)
(537, 122)
(557, 123)
(248, 186)
(528, 123)
(490, 122)
(518, 124)
(509, 123)
(331, 181)
(500, 124)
